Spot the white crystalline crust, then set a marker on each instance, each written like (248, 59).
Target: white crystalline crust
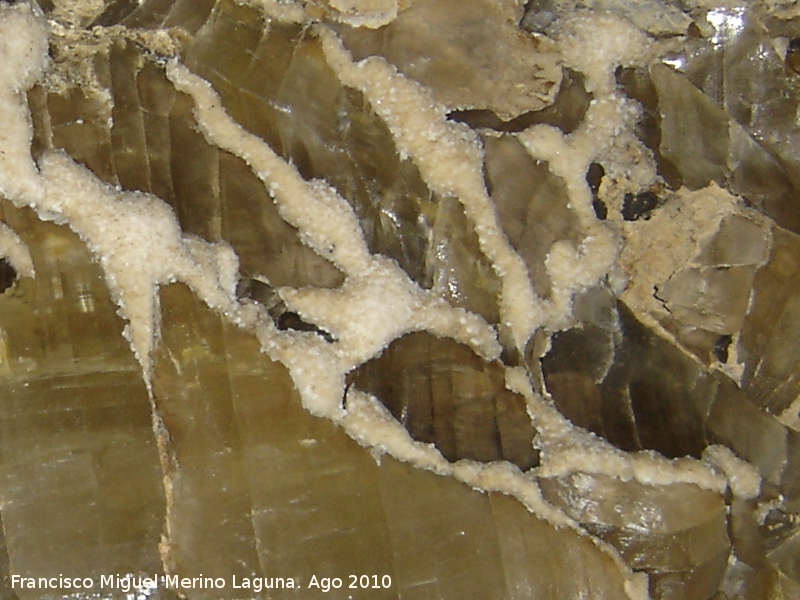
(377, 303)
(16, 252)
(744, 480)
(374, 286)
(138, 242)
(139, 245)
(450, 161)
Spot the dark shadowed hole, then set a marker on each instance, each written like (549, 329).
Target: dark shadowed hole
(285, 319)
(8, 275)
(640, 206)
(594, 177)
(793, 56)
(293, 321)
(721, 348)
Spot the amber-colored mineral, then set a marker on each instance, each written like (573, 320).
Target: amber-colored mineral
(479, 299)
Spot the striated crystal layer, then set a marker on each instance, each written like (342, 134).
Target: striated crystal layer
(260, 486)
(82, 485)
(677, 533)
(563, 273)
(445, 394)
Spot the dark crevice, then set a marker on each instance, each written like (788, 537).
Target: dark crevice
(566, 112)
(721, 348)
(639, 206)
(600, 209)
(594, 177)
(793, 56)
(8, 275)
(292, 321)
(285, 319)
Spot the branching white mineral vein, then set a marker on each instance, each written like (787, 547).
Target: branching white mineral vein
(135, 237)
(139, 244)
(376, 304)
(450, 160)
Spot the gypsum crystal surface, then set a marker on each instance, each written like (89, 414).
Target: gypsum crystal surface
(546, 239)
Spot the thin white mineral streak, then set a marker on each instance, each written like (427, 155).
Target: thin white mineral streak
(138, 242)
(595, 45)
(15, 251)
(450, 159)
(135, 237)
(377, 303)
(743, 478)
(23, 51)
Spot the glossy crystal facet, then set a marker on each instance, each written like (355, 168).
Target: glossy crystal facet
(574, 224)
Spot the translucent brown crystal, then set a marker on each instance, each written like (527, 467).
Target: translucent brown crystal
(677, 533)
(531, 202)
(447, 395)
(588, 380)
(82, 483)
(435, 42)
(214, 195)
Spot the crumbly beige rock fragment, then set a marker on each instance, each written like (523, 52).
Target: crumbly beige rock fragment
(657, 248)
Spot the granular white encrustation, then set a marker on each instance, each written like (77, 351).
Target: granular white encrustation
(139, 244)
